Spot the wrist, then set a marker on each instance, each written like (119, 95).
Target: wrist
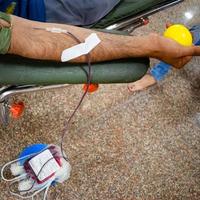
(152, 43)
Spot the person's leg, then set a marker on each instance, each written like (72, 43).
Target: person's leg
(76, 12)
(157, 73)
(145, 82)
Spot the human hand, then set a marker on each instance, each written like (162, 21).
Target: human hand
(171, 52)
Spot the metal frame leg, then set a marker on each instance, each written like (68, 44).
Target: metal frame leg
(4, 112)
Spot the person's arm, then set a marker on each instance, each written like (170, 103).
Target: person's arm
(40, 44)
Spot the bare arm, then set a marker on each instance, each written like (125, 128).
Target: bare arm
(40, 44)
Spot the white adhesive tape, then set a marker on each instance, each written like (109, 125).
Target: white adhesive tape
(81, 49)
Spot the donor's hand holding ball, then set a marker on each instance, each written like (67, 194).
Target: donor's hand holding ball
(175, 47)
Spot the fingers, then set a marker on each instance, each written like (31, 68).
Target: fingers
(196, 51)
(190, 51)
(186, 60)
(168, 24)
(181, 62)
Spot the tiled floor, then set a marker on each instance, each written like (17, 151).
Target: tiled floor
(121, 145)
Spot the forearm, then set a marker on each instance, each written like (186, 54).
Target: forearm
(40, 44)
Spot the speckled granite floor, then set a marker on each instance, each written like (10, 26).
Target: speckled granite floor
(121, 145)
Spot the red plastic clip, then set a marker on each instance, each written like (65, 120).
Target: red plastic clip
(92, 87)
(17, 109)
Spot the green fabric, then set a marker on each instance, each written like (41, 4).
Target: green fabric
(5, 34)
(19, 71)
(5, 17)
(126, 9)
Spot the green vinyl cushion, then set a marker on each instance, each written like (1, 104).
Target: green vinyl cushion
(19, 71)
(126, 9)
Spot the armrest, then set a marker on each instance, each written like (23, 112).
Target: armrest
(16, 70)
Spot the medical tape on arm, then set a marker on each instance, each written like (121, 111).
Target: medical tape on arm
(81, 49)
(5, 34)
